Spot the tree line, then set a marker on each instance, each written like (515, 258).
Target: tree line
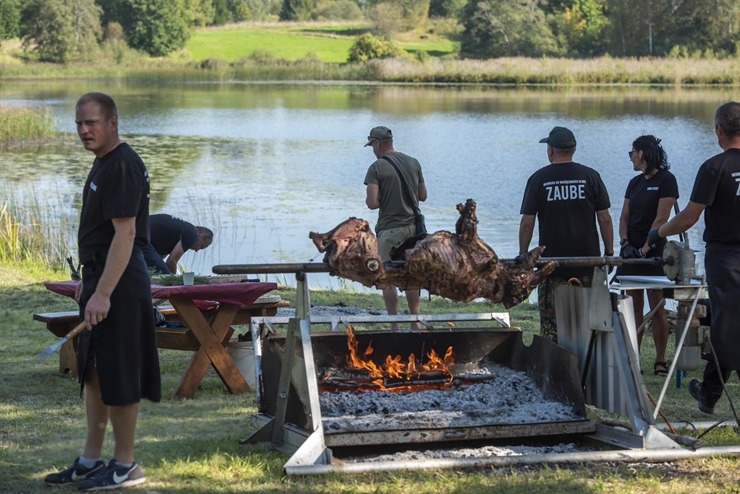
(69, 30)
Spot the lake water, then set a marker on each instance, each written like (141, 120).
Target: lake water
(265, 164)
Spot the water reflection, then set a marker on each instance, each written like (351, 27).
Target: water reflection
(265, 164)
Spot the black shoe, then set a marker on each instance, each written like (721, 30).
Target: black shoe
(75, 473)
(114, 477)
(695, 390)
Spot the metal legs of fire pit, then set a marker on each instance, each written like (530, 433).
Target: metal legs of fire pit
(309, 447)
(598, 327)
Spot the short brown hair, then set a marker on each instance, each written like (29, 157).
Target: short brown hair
(207, 233)
(728, 117)
(106, 103)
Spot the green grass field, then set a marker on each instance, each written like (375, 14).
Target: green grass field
(192, 446)
(326, 42)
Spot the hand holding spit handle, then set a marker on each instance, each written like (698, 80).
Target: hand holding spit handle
(56, 346)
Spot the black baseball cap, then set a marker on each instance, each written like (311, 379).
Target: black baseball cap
(560, 138)
(378, 133)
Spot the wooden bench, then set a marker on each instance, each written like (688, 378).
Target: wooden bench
(182, 338)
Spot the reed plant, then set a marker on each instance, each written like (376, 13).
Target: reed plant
(261, 65)
(33, 232)
(20, 125)
(549, 71)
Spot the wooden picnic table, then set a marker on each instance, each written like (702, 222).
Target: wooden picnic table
(208, 313)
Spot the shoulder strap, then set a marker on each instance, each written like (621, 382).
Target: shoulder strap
(404, 185)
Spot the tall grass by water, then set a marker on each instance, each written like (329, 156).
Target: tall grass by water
(263, 66)
(33, 232)
(19, 125)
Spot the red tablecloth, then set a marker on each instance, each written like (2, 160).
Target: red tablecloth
(204, 295)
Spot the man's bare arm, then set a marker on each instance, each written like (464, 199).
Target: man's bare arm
(118, 258)
(607, 230)
(372, 197)
(526, 230)
(174, 257)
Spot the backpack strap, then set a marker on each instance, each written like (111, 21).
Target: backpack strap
(404, 185)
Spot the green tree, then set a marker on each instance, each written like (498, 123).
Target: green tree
(337, 10)
(580, 25)
(222, 13)
(387, 19)
(297, 10)
(499, 28)
(709, 26)
(640, 27)
(157, 27)
(62, 30)
(10, 19)
(446, 8)
(113, 10)
(201, 12)
(226, 11)
(413, 12)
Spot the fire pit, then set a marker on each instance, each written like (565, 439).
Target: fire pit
(380, 387)
(305, 417)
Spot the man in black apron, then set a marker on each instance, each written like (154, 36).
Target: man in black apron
(716, 192)
(117, 356)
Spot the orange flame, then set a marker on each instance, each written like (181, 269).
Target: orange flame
(395, 368)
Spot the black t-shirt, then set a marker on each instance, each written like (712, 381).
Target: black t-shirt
(565, 198)
(166, 230)
(717, 186)
(116, 187)
(644, 196)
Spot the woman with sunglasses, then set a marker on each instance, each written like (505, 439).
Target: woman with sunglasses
(648, 201)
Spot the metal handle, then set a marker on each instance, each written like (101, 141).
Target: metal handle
(320, 267)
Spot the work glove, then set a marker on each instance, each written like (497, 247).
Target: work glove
(653, 238)
(629, 251)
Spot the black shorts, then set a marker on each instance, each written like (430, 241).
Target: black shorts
(123, 347)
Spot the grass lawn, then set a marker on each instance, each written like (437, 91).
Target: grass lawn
(327, 42)
(192, 446)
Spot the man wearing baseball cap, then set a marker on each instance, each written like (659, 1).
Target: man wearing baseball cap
(567, 199)
(395, 185)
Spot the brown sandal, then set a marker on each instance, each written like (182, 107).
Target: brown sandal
(660, 369)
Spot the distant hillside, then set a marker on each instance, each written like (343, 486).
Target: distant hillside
(326, 42)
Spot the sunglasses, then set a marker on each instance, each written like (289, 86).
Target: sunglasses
(630, 153)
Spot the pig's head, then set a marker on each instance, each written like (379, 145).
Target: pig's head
(351, 250)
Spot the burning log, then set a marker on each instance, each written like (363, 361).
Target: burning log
(392, 373)
(343, 379)
(459, 266)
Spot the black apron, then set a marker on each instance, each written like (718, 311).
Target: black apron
(722, 265)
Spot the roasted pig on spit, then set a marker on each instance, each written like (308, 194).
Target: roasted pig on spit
(459, 266)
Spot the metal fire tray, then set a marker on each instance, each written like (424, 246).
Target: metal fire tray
(553, 370)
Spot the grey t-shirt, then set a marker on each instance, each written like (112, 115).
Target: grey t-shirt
(395, 211)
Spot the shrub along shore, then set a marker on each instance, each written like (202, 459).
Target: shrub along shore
(502, 71)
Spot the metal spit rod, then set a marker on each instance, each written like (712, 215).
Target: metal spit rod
(320, 267)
